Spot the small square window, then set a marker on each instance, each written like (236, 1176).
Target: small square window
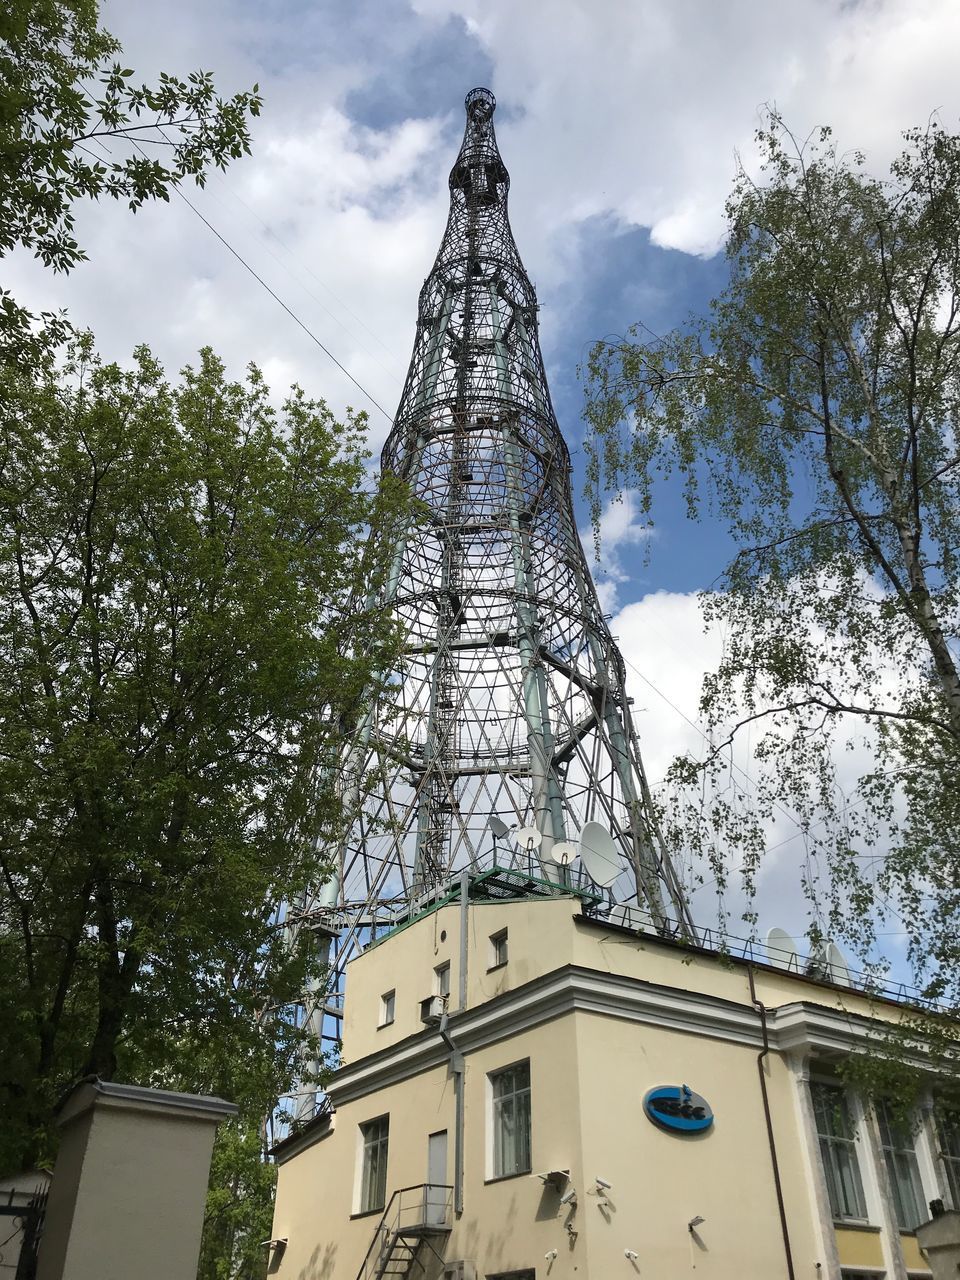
(388, 1007)
(441, 981)
(498, 949)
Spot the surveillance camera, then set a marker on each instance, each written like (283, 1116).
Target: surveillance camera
(631, 1254)
(602, 1182)
(570, 1196)
(549, 1257)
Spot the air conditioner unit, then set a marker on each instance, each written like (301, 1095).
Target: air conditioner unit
(460, 1270)
(431, 1009)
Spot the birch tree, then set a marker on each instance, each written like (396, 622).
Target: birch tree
(815, 410)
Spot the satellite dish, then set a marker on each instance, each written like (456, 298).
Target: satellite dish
(837, 968)
(782, 950)
(599, 854)
(528, 837)
(563, 852)
(498, 827)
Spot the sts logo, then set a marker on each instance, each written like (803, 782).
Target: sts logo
(678, 1109)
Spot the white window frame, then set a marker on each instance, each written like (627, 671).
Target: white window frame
(950, 1164)
(364, 1146)
(388, 1008)
(492, 1172)
(499, 949)
(441, 980)
(888, 1151)
(846, 1102)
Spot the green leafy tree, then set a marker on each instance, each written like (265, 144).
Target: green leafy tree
(180, 651)
(815, 409)
(74, 125)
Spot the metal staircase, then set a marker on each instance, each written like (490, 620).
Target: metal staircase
(414, 1222)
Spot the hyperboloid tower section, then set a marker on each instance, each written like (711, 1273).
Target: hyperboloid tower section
(506, 728)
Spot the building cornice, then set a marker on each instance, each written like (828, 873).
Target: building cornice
(573, 988)
(799, 1027)
(814, 1029)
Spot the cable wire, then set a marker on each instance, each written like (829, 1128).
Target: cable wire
(276, 297)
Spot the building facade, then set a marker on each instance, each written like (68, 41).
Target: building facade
(534, 1088)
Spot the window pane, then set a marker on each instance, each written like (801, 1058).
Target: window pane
(373, 1189)
(511, 1120)
(948, 1135)
(838, 1152)
(903, 1170)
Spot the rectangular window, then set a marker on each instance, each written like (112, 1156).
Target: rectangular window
(511, 1120)
(838, 1152)
(388, 1008)
(373, 1182)
(514, 1275)
(441, 981)
(900, 1156)
(948, 1140)
(498, 949)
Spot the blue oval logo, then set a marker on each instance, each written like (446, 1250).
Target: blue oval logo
(678, 1109)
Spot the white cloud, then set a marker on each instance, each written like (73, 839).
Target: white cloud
(622, 524)
(639, 110)
(633, 112)
(626, 114)
(667, 649)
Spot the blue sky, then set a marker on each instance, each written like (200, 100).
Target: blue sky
(621, 122)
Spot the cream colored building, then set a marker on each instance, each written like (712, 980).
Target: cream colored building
(496, 1057)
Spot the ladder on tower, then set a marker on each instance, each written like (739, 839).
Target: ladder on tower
(416, 1220)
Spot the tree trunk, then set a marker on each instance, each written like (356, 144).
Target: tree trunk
(943, 662)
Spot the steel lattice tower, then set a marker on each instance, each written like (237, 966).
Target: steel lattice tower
(510, 702)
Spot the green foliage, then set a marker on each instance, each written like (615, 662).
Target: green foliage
(180, 652)
(74, 125)
(816, 410)
(239, 1215)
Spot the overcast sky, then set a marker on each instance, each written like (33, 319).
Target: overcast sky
(620, 122)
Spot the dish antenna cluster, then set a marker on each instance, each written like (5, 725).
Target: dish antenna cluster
(827, 962)
(598, 851)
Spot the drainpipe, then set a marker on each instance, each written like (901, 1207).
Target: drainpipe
(464, 898)
(456, 1067)
(762, 1012)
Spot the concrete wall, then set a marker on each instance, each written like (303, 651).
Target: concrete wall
(129, 1186)
(540, 940)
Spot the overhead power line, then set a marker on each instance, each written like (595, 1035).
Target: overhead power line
(276, 297)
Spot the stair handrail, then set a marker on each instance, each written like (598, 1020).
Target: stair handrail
(383, 1230)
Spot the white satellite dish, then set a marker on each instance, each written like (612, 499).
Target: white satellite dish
(563, 852)
(837, 968)
(782, 950)
(498, 827)
(599, 854)
(528, 837)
